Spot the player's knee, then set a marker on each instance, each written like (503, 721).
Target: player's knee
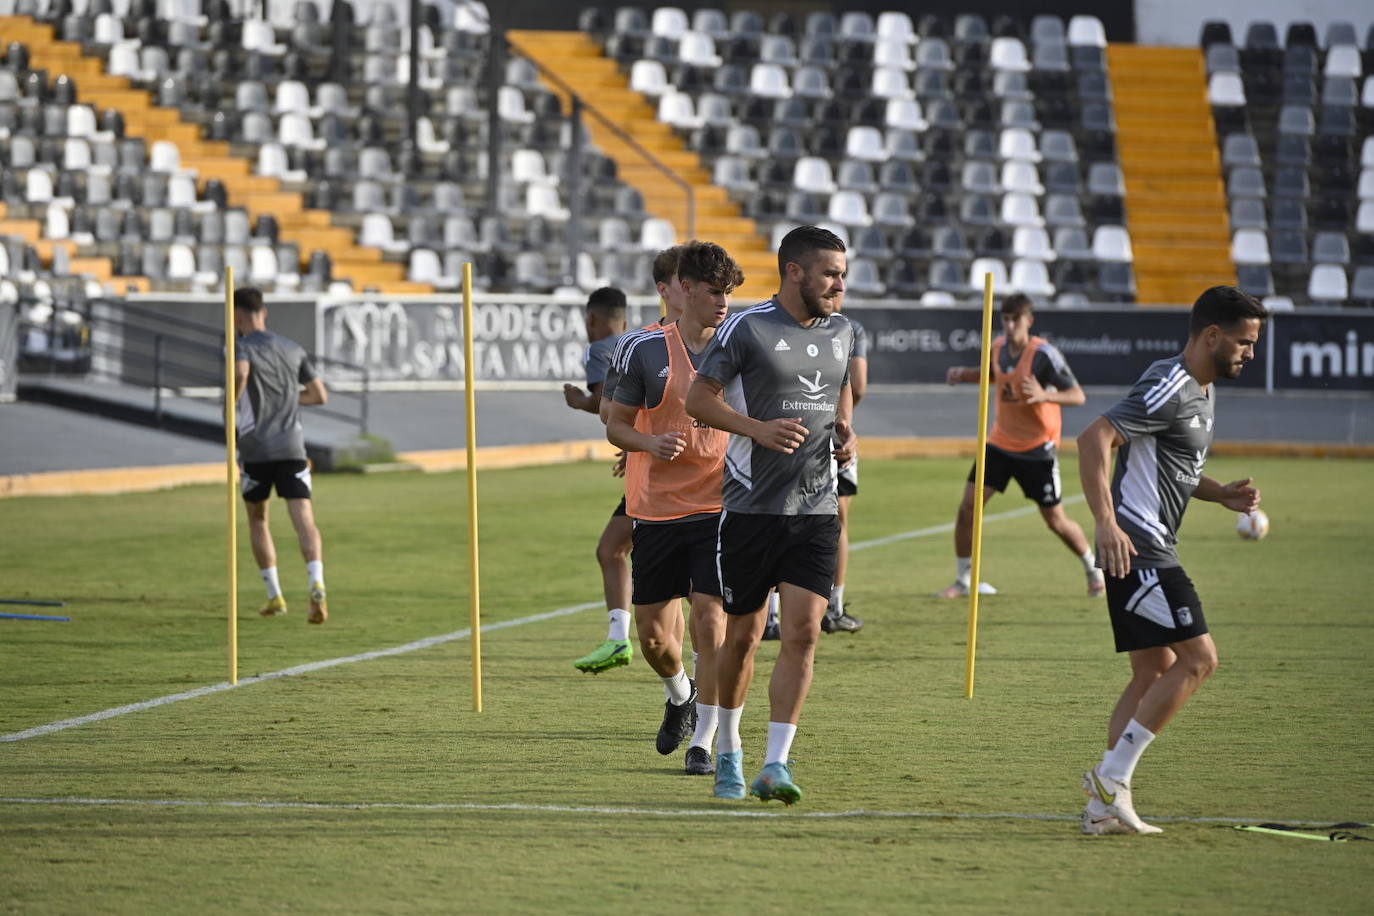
(609, 553)
(1201, 664)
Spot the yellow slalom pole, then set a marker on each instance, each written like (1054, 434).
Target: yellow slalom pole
(469, 370)
(230, 468)
(980, 462)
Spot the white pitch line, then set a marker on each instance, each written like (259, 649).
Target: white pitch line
(604, 809)
(949, 526)
(40, 730)
(426, 643)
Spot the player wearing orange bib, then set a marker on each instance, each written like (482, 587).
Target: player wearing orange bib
(673, 494)
(1030, 380)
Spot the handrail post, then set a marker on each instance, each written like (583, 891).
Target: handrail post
(157, 379)
(574, 240)
(367, 385)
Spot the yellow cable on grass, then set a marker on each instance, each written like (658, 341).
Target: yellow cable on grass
(980, 462)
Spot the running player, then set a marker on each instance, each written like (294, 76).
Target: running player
(1031, 380)
(277, 378)
(672, 489)
(605, 320)
(614, 547)
(837, 619)
(1162, 431)
(777, 377)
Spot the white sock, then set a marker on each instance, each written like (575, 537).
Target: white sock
(1119, 762)
(837, 598)
(269, 576)
(963, 569)
(780, 735)
(774, 607)
(1089, 562)
(727, 737)
(706, 726)
(620, 624)
(314, 571)
(677, 688)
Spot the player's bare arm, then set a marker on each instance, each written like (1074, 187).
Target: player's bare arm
(846, 440)
(1035, 393)
(706, 402)
(620, 430)
(1095, 445)
(958, 374)
(314, 393)
(858, 378)
(241, 369)
(578, 399)
(1238, 495)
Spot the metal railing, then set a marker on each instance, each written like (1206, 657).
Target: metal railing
(579, 106)
(172, 356)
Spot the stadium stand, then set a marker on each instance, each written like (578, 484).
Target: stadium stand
(148, 144)
(875, 126)
(1294, 121)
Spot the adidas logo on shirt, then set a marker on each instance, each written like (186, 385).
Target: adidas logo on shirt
(781, 345)
(663, 373)
(1195, 423)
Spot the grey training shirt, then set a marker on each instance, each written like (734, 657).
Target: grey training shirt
(771, 367)
(269, 412)
(597, 359)
(1167, 422)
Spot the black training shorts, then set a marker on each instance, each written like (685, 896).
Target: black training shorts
(1154, 607)
(1038, 477)
(757, 552)
(291, 478)
(847, 480)
(619, 510)
(674, 559)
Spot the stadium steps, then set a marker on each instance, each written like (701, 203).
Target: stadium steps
(1174, 194)
(257, 194)
(102, 269)
(578, 61)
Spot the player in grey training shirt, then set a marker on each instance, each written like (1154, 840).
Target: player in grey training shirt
(273, 379)
(777, 378)
(605, 320)
(1162, 431)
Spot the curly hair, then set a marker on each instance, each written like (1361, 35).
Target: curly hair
(709, 263)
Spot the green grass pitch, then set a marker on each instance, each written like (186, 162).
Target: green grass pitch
(374, 787)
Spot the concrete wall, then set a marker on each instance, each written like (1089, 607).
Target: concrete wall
(1179, 22)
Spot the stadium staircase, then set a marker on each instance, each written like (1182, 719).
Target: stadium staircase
(577, 60)
(1174, 194)
(310, 229)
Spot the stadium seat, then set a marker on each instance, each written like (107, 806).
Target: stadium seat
(1250, 246)
(1328, 285)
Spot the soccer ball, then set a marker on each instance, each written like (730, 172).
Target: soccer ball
(1253, 525)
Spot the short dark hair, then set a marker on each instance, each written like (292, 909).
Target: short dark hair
(707, 262)
(1225, 307)
(665, 264)
(607, 300)
(1017, 304)
(248, 299)
(798, 245)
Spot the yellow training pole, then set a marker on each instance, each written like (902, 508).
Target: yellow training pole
(469, 369)
(980, 460)
(230, 443)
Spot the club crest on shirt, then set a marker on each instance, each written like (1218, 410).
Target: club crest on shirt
(837, 349)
